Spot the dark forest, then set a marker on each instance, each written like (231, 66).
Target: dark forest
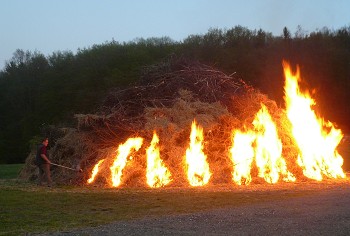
(37, 91)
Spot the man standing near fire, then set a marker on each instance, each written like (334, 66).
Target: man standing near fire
(43, 162)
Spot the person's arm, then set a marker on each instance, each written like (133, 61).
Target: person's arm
(43, 156)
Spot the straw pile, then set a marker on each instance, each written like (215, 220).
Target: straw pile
(168, 97)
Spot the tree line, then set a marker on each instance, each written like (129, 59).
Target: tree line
(38, 90)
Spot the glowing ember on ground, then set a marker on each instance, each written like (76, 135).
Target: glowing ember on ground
(316, 139)
(157, 174)
(121, 159)
(198, 173)
(95, 171)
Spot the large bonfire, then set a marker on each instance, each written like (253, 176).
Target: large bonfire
(187, 124)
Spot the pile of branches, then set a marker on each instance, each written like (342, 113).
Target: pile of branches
(122, 112)
(159, 86)
(167, 98)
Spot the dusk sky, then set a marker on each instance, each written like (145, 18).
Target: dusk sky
(59, 25)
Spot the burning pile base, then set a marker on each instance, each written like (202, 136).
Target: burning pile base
(168, 98)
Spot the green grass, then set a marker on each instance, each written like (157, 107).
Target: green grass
(27, 208)
(10, 171)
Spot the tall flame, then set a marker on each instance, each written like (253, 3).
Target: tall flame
(242, 154)
(317, 140)
(269, 149)
(262, 145)
(95, 171)
(157, 174)
(121, 159)
(198, 173)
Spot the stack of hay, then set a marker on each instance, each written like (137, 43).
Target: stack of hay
(168, 97)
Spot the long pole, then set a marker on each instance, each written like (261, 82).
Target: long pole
(63, 166)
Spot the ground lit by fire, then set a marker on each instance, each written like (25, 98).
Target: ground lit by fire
(316, 139)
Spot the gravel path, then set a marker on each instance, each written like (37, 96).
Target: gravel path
(325, 213)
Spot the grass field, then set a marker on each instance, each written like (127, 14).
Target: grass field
(10, 171)
(27, 208)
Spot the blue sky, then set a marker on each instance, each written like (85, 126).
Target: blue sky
(59, 25)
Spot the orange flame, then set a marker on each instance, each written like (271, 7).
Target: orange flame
(121, 159)
(317, 140)
(95, 171)
(198, 173)
(242, 154)
(269, 149)
(157, 174)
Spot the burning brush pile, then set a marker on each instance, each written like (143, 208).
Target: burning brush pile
(187, 124)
